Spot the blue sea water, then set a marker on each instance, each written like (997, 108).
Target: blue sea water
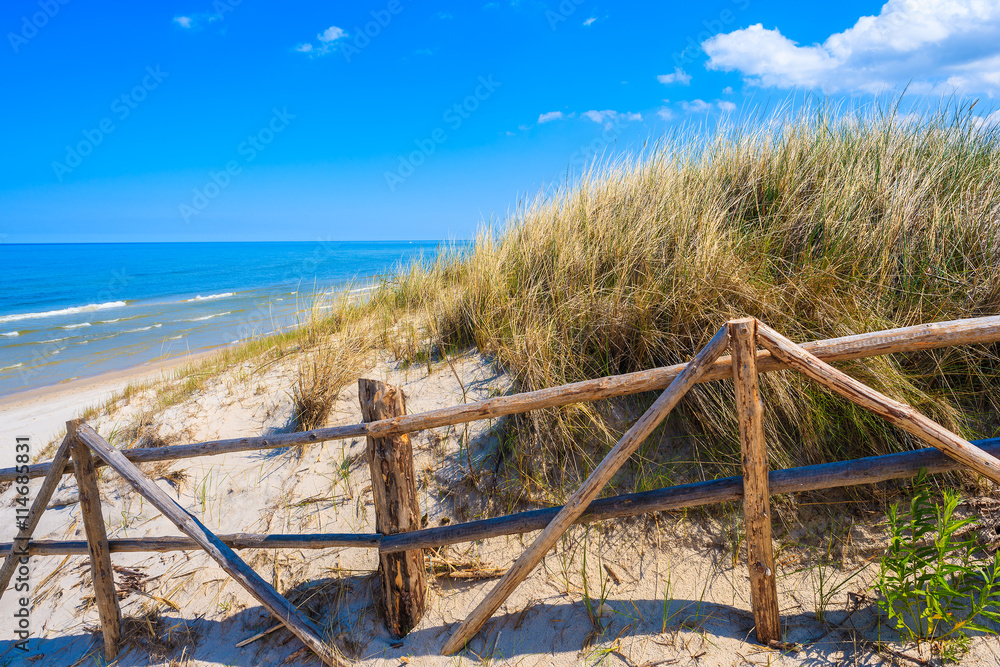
(77, 310)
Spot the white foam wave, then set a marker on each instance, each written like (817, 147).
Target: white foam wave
(151, 326)
(7, 368)
(62, 311)
(76, 326)
(117, 319)
(55, 340)
(210, 296)
(207, 317)
(11, 334)
(175, 337)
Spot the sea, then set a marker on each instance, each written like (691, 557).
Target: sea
(70, 311)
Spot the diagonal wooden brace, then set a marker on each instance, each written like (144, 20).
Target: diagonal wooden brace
(894, 412)
(591, 488)
(233, 565)
(48, 487)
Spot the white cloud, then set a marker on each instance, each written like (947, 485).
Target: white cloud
(726, 106)
(597, 116)
(728, 90)
(444, 16)
(197, 21)
(988, 122)
(665, 113)
(678, 76)
(696, 106)
(932, 45)
(331, 34)
(609, 117)
(550, 116)
(327, 42)
(590, 21)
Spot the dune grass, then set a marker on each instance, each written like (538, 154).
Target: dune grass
(821, 225)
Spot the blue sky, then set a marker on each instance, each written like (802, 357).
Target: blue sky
(393, 119)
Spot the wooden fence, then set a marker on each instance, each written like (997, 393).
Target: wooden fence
(400, 540)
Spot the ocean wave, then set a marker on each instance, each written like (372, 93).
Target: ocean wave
(63, 311)
(151, 326)
(175, 337)
(207, 317)
(210, 296)
(117, 319)
(7, 368)
(76, 326)
(54, 340)
(11, 334)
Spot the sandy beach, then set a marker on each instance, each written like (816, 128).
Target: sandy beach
(718, 283)
(41, 414)
(652, 590)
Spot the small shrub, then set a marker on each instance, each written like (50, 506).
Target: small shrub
(933, 585)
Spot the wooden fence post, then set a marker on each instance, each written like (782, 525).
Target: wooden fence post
(404, 581)
(756, 497)
(97, 542)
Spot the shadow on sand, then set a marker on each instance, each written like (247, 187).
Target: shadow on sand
(680, 629)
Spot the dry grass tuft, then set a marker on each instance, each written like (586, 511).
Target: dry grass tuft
(155, 636)
(142, 431)
(337, 358)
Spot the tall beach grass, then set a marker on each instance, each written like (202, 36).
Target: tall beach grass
(821, 225)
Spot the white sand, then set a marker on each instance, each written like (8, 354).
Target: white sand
(41, 414)
(679, 599)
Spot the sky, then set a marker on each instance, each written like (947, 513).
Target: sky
(248, 120)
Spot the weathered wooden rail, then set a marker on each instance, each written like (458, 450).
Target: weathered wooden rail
(399, 539)
(907, 339)
(868, 470)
